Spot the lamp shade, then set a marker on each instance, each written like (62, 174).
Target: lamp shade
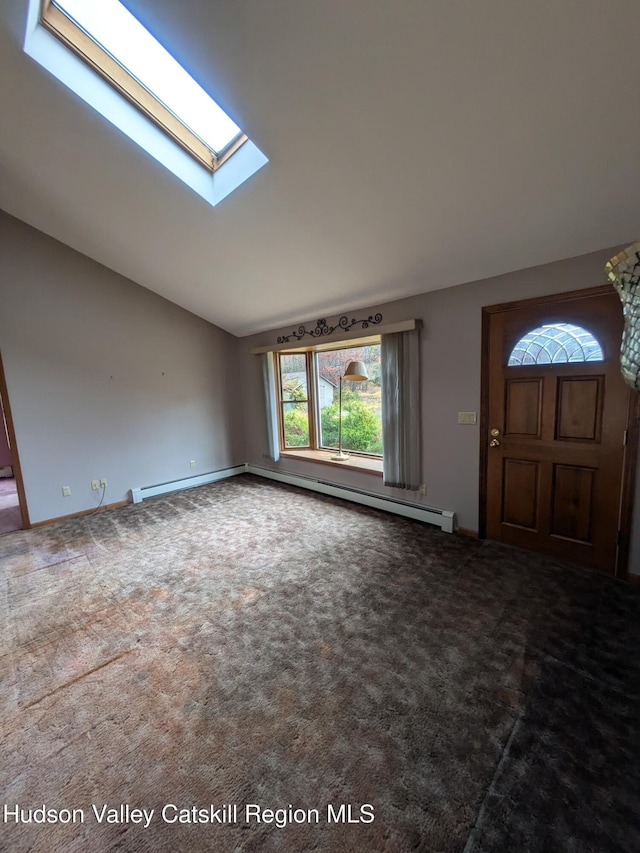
(356, 372)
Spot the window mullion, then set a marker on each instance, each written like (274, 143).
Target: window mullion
(312, 397)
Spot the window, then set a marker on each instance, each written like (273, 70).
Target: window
(115, 44)
(309, 413)
(556, 343)
(294, 400)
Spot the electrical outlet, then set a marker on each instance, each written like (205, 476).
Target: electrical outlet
(103, 483)
(192, 464)
(95, 484)
(423, 489)
(66, 491)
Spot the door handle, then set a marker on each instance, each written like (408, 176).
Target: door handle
(494, 443)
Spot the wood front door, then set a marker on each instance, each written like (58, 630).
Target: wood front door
(555, 434)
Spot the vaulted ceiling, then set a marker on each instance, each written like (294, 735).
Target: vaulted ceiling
(413, 145)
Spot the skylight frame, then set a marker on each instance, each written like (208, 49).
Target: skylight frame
(64, 28)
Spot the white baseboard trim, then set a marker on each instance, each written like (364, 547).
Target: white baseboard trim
(443, 518)
(140, 493)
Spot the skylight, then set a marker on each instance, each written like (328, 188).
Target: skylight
(116, 44)
(100, 52)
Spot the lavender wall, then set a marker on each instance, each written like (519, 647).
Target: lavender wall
(107, 379)
(450, 351)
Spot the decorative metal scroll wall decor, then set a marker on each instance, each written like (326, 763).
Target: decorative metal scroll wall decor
(624, 274)
(322, 328)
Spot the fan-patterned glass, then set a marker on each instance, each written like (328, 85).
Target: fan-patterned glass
(556, 343)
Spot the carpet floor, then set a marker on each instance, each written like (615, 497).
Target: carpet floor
(348, 680)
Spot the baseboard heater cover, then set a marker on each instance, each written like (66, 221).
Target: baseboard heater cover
(443, 518)
(139, 494)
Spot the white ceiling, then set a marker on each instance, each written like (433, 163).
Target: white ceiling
(413, 145)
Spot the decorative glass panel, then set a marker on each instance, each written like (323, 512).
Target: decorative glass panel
(556, 343)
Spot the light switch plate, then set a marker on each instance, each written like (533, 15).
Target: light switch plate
(467, 418)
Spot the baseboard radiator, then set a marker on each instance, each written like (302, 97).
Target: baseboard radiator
(139, 494)
(443, 518)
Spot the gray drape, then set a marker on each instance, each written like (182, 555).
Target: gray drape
(400, 362)
(269, 385)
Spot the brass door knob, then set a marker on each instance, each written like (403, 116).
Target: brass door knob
(494, 442)
(495, 432)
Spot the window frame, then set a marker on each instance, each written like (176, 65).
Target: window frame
(95, 56)
(313, 395)
(281, 402)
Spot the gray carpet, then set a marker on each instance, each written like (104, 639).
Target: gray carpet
(251, 643)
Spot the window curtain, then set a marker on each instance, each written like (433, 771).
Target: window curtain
(400, 365)
(269, 385)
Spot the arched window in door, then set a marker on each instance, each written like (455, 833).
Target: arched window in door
(555, 343)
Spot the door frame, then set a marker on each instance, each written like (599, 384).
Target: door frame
(632, 425)
(13, 447)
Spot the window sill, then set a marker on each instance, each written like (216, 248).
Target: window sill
(364, 464)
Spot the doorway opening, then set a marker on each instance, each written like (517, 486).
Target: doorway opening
(13, 505)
